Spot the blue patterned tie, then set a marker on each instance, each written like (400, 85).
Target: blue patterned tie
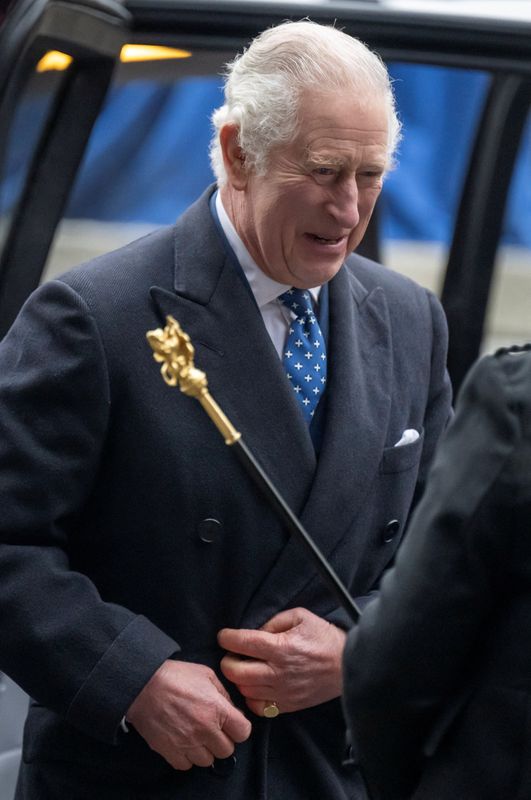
(304, 354)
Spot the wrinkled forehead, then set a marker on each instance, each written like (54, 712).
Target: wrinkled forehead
(320, 104)
(339, 121)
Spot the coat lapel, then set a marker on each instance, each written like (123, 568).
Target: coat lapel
(358, 406)
(213, 304)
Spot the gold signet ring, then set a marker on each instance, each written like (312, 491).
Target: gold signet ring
(271, 710)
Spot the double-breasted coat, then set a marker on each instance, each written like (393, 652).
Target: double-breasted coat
(129, 532)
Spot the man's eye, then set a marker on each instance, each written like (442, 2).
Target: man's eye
(371, 174)
(324, 174)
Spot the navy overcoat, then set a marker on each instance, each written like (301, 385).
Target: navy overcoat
(110, 561)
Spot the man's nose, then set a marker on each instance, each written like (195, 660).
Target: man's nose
(343, 205)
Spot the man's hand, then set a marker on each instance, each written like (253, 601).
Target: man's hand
(185, 714)
(294, 660)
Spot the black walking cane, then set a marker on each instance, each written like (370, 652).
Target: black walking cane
(173, 348)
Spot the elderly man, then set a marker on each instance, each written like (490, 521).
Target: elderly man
(152, 604)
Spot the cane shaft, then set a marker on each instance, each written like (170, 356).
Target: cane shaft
(296, 528)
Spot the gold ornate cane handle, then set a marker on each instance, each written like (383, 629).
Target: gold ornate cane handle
(173, 349)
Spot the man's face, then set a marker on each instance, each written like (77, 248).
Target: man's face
(311, 209)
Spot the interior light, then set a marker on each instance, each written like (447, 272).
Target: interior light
(54, 60)
(150, 52)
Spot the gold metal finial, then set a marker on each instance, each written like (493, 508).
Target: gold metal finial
(173, 349)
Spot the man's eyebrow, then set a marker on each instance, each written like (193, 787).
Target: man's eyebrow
(334, 160)
(323, 158)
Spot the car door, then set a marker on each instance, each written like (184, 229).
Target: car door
(56, 109)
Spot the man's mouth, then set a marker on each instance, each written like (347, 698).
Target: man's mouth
(326, 240)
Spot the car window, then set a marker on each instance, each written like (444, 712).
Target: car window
(509, 309)
(439, 108)
(147, 160)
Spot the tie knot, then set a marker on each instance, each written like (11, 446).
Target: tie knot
(299, 301)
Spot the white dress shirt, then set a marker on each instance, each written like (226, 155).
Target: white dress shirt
(276, 316)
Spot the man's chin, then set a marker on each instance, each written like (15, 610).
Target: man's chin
(308, 278)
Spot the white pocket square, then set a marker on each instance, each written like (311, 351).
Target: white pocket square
(409, 436)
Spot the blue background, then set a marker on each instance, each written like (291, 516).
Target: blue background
(147, 159)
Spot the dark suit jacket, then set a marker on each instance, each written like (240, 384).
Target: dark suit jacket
(110, 480)
(438, 674)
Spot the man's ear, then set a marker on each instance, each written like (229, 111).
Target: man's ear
(233, 156)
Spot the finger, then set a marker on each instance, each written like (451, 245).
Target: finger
(238, 670)
(220, 745)
(258, 692)
(284, 621)
(179, 761)
(200, 756)
(256, 644)
(236, 726)
(219, 686)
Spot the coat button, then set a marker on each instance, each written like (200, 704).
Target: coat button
(390, 530)
(209, 530)
(224, 766)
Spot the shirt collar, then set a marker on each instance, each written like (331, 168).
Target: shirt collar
(264, 288)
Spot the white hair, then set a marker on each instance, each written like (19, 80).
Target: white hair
(264, 85)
